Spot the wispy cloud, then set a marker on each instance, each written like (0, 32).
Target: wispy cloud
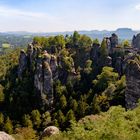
(6, 11)
(137, 7)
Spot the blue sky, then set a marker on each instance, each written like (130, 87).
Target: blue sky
(68, 15)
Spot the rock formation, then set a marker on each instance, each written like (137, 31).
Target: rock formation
(47, 83)
(44, 67)
(118, 65)
(5, 136)
(94, 54)
(132, 71)
(47, 68)
(136, 41)
(114, 41)
(22, 63)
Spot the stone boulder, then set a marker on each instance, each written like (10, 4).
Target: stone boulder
(49, 131)
(5, 136)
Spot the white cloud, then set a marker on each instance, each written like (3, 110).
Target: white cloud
(10, 12)
(137, 7)
(21, 20)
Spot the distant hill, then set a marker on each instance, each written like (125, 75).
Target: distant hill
(123, 33)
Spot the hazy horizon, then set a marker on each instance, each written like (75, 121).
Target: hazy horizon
(69, 30)
(68, 15)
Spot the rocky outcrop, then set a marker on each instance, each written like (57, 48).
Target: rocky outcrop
(114, 41)
(118, 65)
(54, 67)
(49, 131)
(45, 69)
(108, 61)
(22, 63)
(45, 72)
(136, 41)
(5, 136)
(108, 43)
(94, 54)
(132, 93)
(47, 83)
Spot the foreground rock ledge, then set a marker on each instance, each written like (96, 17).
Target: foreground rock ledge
(5, 136)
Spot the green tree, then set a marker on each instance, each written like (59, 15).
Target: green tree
(76, 37)
(96, 41)
(85, 41)
(8, 126)
(126, 44)
(27, 121)
(88, 66)
(1, 94)
(1, 120)
(70, 116)
(36, 118)
(60, 118)
(95, 108)
(105, 78)
(59, 41)
(103, 49)
(82, 106)
(46, 119)
(74, 105)
(63, 102)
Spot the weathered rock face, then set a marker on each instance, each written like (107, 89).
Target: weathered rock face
(47, 83)
(132, 93)
(114, 41)
(5, 136)
(108, 61)
(45, 72)
(118, 65)
(94, 54)
(54, 67)
(22, 63)
(108, 43)
(136, 41)
(45, 69)
(96, 57)
(38, 77)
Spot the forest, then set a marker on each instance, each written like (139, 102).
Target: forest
(72, 82)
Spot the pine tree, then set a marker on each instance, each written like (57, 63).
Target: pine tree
(8, 126)
(60, 118)
(95, 108)
(74, 105)
(1, 120)
(46, 119)
(36, 118)
(70, 116)
(103, 49)
(82, 106)
(27, 121)
(63, 102)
